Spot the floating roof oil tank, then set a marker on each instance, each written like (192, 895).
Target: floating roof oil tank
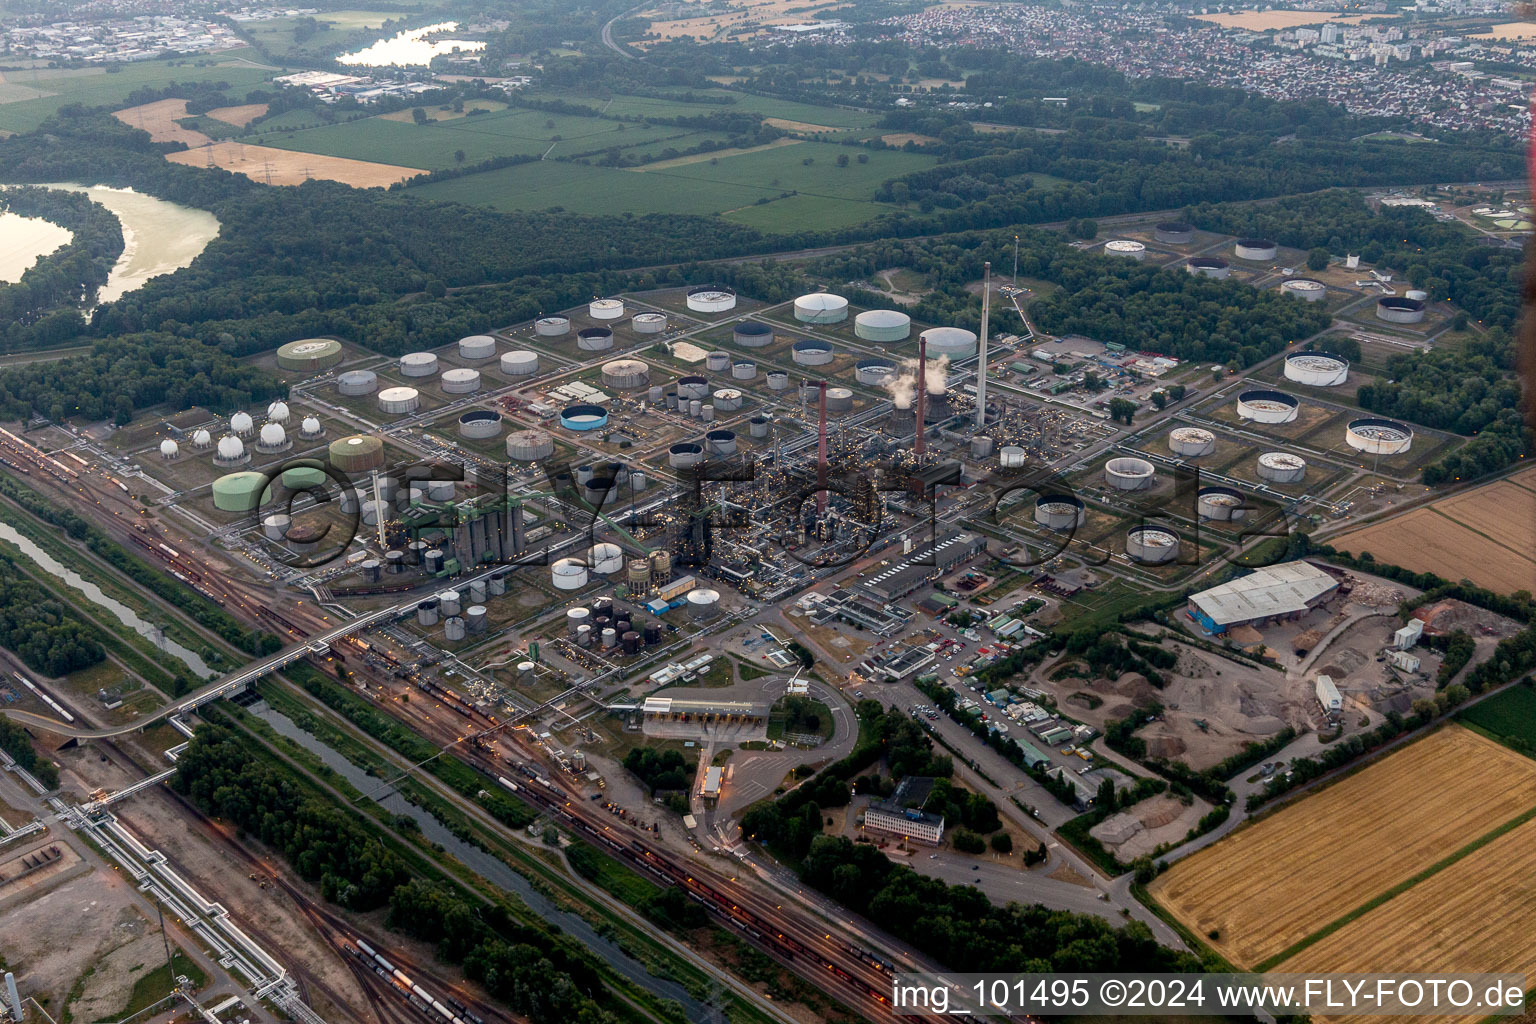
(717, 362)
(684, 455)
(357, 382)
(626, 374)
(811, 352)
(874, 372)
(519, 363)
(1263, 406)
(1125, 247)
(477, 348)
(727, 399)
(1281, 467)
(1400, 309)
(551, 326)
(1316, 369)
(882, 325)
(1255, 249)
(757, 426)
(743, 369)
(605, 309)
(954, 342)
(1416, 293)
(1191, 442)
(839, 400)
(530, 445)
(309, 355)
(460, 381)
(777, 381)
(711, 298)
(1220, 503)
(1172, 232)
(358, 453)
(418, 364)
(720, 442)
(1378, 437)
(1060, 511)
(1305, 289)
(1126, 473)
(594, 339)
(479, 424)
(821, 308)
(583, 416)
(1151, 545)
(752, 334)
(399, 400)
(1208, 266)
(692, 387)
(648, 323)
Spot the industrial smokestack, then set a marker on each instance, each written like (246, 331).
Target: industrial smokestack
(981, 365)
(821, 448)
(13, 998)
(922, 394)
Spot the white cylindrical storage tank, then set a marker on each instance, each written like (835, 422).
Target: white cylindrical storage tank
(1126, 473)
(519, 363)
(626, 374)
(1255, 249)
(743, 369)
(477, 348)
(981, 447)
(1191, 442)
(169, 449)
(584, 636)
(477, 592)
(241, 424)
(648, 323)
(695, 408)
(605, 309)
(449, 601)
(874, 372)
(839, 400)
(1125, 247)
(1378, 437)
(717, 362)
(418, 364)
(777, 381)
(479, 424)
(637, 479)
(575, 618)
(399, 400)
(370, 512)
(1151, 545)
(810, 352)
(720, 442)
(594, 339)
(525, 673)
(610, 637)
(1417, 294)
(693, 387)
(474, 618)
(1316, 369)
(1208, 266)
(1174, 233)
(460, 381)
(605, 559)
(685, 455)
(1011, 457)
(657, 394)
(711, 298)
(275, 526)
(454, 628)
(757, 426)
(1267, 406)
(439, 490)
(727, 399)
(1220, 503)
(954, 342)
(357, 382)
(707, 412)
(703, 603)
(568, 574)
(821, 308)
(1305, 289)
(752, 334)
(882, 325)
(1060, 511)
(551, 326)
(530, 445)
(427, 612)
(1400, 309)
(1281, 467)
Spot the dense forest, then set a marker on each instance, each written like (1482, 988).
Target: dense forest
(40, 629)
(42, 308)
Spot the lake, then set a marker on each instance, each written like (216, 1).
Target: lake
(25, 240)
(410, 48)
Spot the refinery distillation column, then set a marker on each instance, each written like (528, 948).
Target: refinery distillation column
(821, 449)
(981, 364)
(922, 394)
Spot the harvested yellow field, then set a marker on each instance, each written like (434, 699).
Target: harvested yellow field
(159, 119)
(1502, 511)
(1264, 21)
(1509, 30)
(902, 138)
(804, 127)
(1526, 478)
(701, 158)
(1275, 882)
(285, 167)
(1474, 916)
(239, 116)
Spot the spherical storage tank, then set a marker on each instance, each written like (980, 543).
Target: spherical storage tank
(955, 342)
(1191, 442)
(309, 354)
(568, 574)
(583, 417)
(1060, 511)
(1267, 406)
(743, 369)
(1378, 437)
(356, 454)
(551, 326)
(399, 400)
(885, 325)
(241, 424)
(310, 428)
(519, 363)
(231, 452)
(1282, 467)
(1305, 289)
(1125, 247)
(1258, 249)
(711, 298)
(625, 374)
(357, 382)
(478, 424)
(272, 439)
(873, 371)
(594, 339)
(727, 399)
(278, 412)
(460, 381)
(685, 454)
(202, 439)
(703, 603)
(530, 445)
(810, 352)
(1208, 266)
(839, 400)
(169, 449)
(239, 492)
(648, 323)
(1174, 233)
(1395, 309)
(1316, 369)
(720, 442)
(605, 559)
(1221, 503)
(821, 308)
(1125, 473)
(605, 309)
(752, 334)
(1151, 545)
(418, 364)
(477, 348)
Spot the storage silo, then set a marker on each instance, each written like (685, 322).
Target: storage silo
(626, 374)
(711, 298)
(479, 424)
(1060, 511)
(1255, 249)
(752, 334)
(1125, 473)
(399, 400)
(693, 387)
(1208, 266)
(551, 326)
(372, 570)
(460, 381)
(648, 323)
(605, 309)
(431, 559)
(1151, 545)
(695, 408)
(717, 362)
(882, 325)
(954, 342)
(394, 562)
(519, 363)
(1265, 406)
(821, 308)
(1172, 232)
(357, 382)
(594, 339)
(720, 443)
(743, 369)
(1191, 442)
(1220, 503)
(1281, 468)
(477, 348)
(727, 399)
(309, 355)
(811, 352)
(530, 445)
(418, 364)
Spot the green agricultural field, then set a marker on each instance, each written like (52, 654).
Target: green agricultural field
(28, 98)
(1509, 716)
(782, 216)
(724, 99)
(807, 167)
(583, 189)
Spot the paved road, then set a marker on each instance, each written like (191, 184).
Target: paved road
(608, 39)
